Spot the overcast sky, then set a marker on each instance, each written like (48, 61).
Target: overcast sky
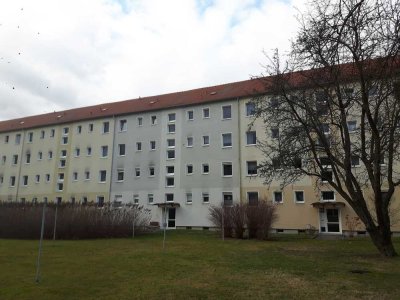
(60, 54)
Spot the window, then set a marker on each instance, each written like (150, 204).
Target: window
(226, 112)
(50, 154)
(77, 152)
(106, 127)
(60, 187)
(328, 196)
(170, 170)
(18, 139)
(205, 168)
(65, 130)
(226, 140)
(140, 121)
(150, 198)
(227, 169)
(206, 197)
(47, 177)
(63, 153)
(15, 159)
(171, 143)
(28, 158)
(189, 141)
(25, 180)
(206, 140)
(90, 127)
(206, 113)
(349, 93)
(252, 168)
(100, 201)
(121, 149)
(123, 125)
(60, 176)
(325, 162)
(62, 163)
(355, 161)
(64, 140)
(151, 171)
(325, 128)
(171, 128)
(321, 103)
(170, 154)
(40, 155)
(352, 126)
(170, 181)
(87, 175)
(136, 198)
(169, 197)
(227, 198)
(6, 139)
(326, 176)
(137, 172)
(1, 179)
(104, 151)
(153, 120)
(189, 169)
(252, 198)
(3, 159)
(274, 103)
(30, 137)
(190, 115)
(12, 181)
(251, 138)
(37, 178)
(138, 146)
(171, 117)
(75, 176)
(297, 162)
(189, 198)
(120, 175)
(52, 132)
(84, 200)
(152, 145)
(103, 176)
(79, 129)
(250, 109)
(278, 197)
(299, 196)
(89, 151)
(274, 133)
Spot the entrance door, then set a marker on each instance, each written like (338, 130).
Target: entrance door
(171, 217)
(329, 220)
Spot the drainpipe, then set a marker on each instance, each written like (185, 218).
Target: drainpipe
(18, 178)
(240, 148)
(112, 161)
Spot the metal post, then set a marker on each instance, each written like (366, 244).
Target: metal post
(133, 223)
(37, 279)
(55, 222)
(165, 226)
(223, 229)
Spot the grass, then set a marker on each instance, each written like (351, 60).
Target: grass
(198, 265)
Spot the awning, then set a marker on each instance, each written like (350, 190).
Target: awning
(168, 204)
(333, 204)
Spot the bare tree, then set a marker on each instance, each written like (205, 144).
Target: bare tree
(334, 108)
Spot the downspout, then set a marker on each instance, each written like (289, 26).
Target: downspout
(240, 149)
(18, 178)
(112, 161)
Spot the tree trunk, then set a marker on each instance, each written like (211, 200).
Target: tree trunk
(382, 239)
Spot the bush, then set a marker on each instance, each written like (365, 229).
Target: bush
(23, 220)
(258, 219)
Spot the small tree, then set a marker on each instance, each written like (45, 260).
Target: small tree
(343, 111)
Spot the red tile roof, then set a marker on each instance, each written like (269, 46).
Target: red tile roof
(241, 89)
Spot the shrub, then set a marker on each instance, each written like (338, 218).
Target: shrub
(258, 219)
(23, 220)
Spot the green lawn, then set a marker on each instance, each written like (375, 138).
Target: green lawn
(198, 265)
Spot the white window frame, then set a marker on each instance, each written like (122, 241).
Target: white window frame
(222, 112)
(188, 115)
(295, 198)
(274, 197)
(222, 140)
(329, 200)
(202, 168)
(187, 169)
(203, 141)
(189, 198)
(222, 168)
(189, 142)
(247, 168)
(120, 171)
(209, 112)
(205, 195)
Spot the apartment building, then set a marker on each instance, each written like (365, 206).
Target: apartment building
(175, 154)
